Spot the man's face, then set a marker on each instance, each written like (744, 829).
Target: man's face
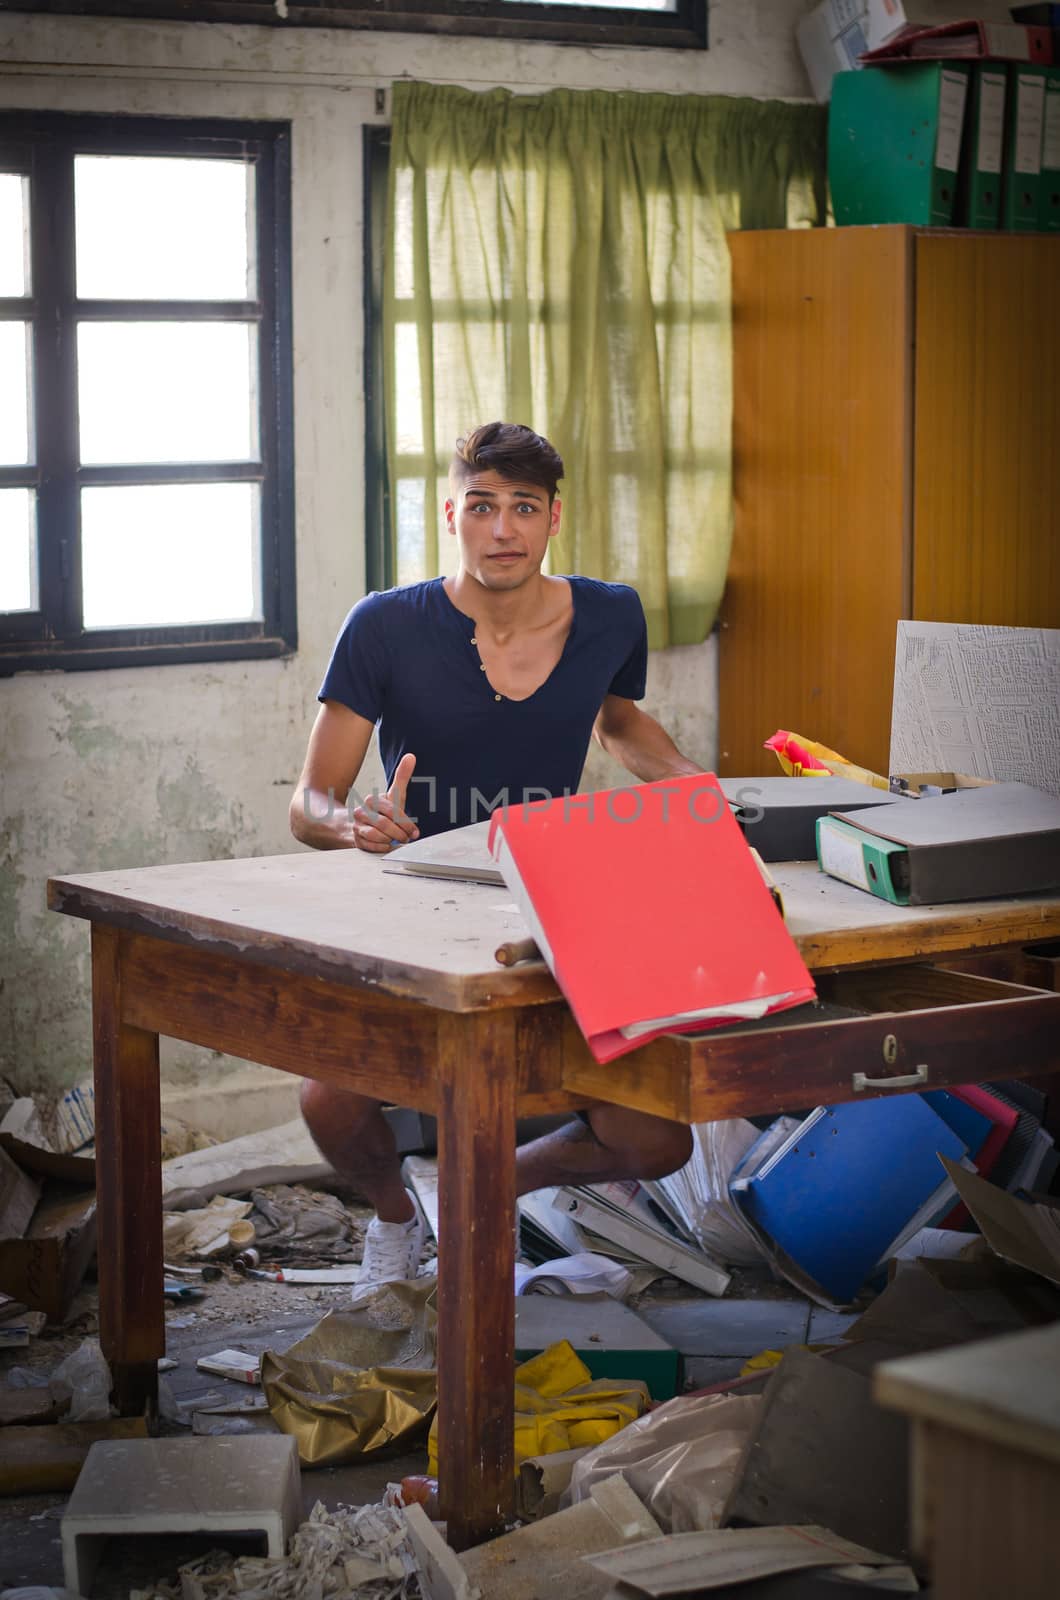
(502, 527)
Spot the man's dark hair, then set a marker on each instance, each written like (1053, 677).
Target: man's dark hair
(512, 450)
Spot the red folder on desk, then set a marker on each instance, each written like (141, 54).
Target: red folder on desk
(649, 909)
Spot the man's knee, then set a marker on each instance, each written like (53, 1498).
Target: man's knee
(329, 1110)
(669, 1149)
(648, 1147)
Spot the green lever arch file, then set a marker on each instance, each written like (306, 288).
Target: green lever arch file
(860, 858)
(979, 184)
(1024, 116)
(1049, 191)
(894, 142)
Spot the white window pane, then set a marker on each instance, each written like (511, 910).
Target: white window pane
(163, 228)
(166, 391)
(409, 405)
(408, 508)
(160, 555)
(18, 550)
(14, 394)
(14, 235)
(619, 5)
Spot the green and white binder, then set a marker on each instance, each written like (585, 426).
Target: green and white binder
(878, 865)
(1049, 188)
(894, 142)
(1024, 119)
(979, 186)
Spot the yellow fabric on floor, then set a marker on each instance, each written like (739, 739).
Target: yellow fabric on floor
(772, 1358)
(559, 1406)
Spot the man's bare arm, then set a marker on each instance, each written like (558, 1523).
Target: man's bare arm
(319, 814)
(638, 742)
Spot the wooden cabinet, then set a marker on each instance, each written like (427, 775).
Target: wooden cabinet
(896, 437)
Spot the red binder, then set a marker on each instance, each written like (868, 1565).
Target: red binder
(1004, 1119)
(968, 41)
(649, 909)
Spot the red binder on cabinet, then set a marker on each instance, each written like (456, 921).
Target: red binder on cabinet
(969, 41)
(649, 909)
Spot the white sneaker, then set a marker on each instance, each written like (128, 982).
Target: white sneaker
(391, 1251)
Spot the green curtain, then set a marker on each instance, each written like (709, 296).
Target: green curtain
(559, 259)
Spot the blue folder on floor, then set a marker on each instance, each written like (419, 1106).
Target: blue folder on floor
(842, 1186)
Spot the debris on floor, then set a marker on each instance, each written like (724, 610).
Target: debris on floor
(547, 1558)
(362, 1380)
(285, 1154)
(139, 1487)
(691, 1563)
(680, 1459)
(18, 1324)
(347, 1551)
(239, 1365)
(305, 1227)
(699, 1281)
(40, 1460)
(610, 1339)
(47, 1216)
(209, 1230)
(62, 1123)
(559, 1405)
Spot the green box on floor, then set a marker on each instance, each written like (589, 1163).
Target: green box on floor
(610, 1338)
(894, 143)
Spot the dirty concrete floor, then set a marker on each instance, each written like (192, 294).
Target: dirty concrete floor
(715, 1336)
(236, 1314)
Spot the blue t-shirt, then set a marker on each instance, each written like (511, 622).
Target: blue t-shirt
(405, 660)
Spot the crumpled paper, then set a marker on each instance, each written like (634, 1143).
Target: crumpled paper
(363, 1550)
(361, 1380)
(559, 1406)
(202, 1232)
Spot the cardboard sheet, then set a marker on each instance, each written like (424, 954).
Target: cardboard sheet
(978, 700)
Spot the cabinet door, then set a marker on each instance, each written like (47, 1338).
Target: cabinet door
(986, 499)
(822, 334)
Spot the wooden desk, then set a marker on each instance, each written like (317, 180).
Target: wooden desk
(328, 966)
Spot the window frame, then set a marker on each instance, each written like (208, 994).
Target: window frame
(43, 145)
(685, 28)
(379, 563)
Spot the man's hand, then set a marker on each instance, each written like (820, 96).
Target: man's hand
(326, 811)
(380, 823)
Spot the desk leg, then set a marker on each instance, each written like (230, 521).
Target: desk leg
(476, 1252)
(128, 1188)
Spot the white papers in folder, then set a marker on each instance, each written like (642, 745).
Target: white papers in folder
(738, 1011)
(585, 1273)
(621, 1225)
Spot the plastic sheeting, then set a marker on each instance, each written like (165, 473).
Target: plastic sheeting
(680, 1459)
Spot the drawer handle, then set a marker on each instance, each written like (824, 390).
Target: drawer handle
(912, 1080)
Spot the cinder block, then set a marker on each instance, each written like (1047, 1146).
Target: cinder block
(199, 1485)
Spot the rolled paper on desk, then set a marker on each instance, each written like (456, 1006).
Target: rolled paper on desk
(517, 950)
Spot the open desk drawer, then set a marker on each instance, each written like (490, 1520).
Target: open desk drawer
(878, 1031)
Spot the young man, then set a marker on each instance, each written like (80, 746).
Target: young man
(486, 688)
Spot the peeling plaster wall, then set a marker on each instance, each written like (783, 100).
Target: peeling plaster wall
(159, 764)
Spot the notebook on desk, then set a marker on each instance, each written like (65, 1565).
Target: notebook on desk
(462, 854)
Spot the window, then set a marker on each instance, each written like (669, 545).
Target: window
(673, 24)
(146, 478)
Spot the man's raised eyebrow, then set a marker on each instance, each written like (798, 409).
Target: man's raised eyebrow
(520, 494)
